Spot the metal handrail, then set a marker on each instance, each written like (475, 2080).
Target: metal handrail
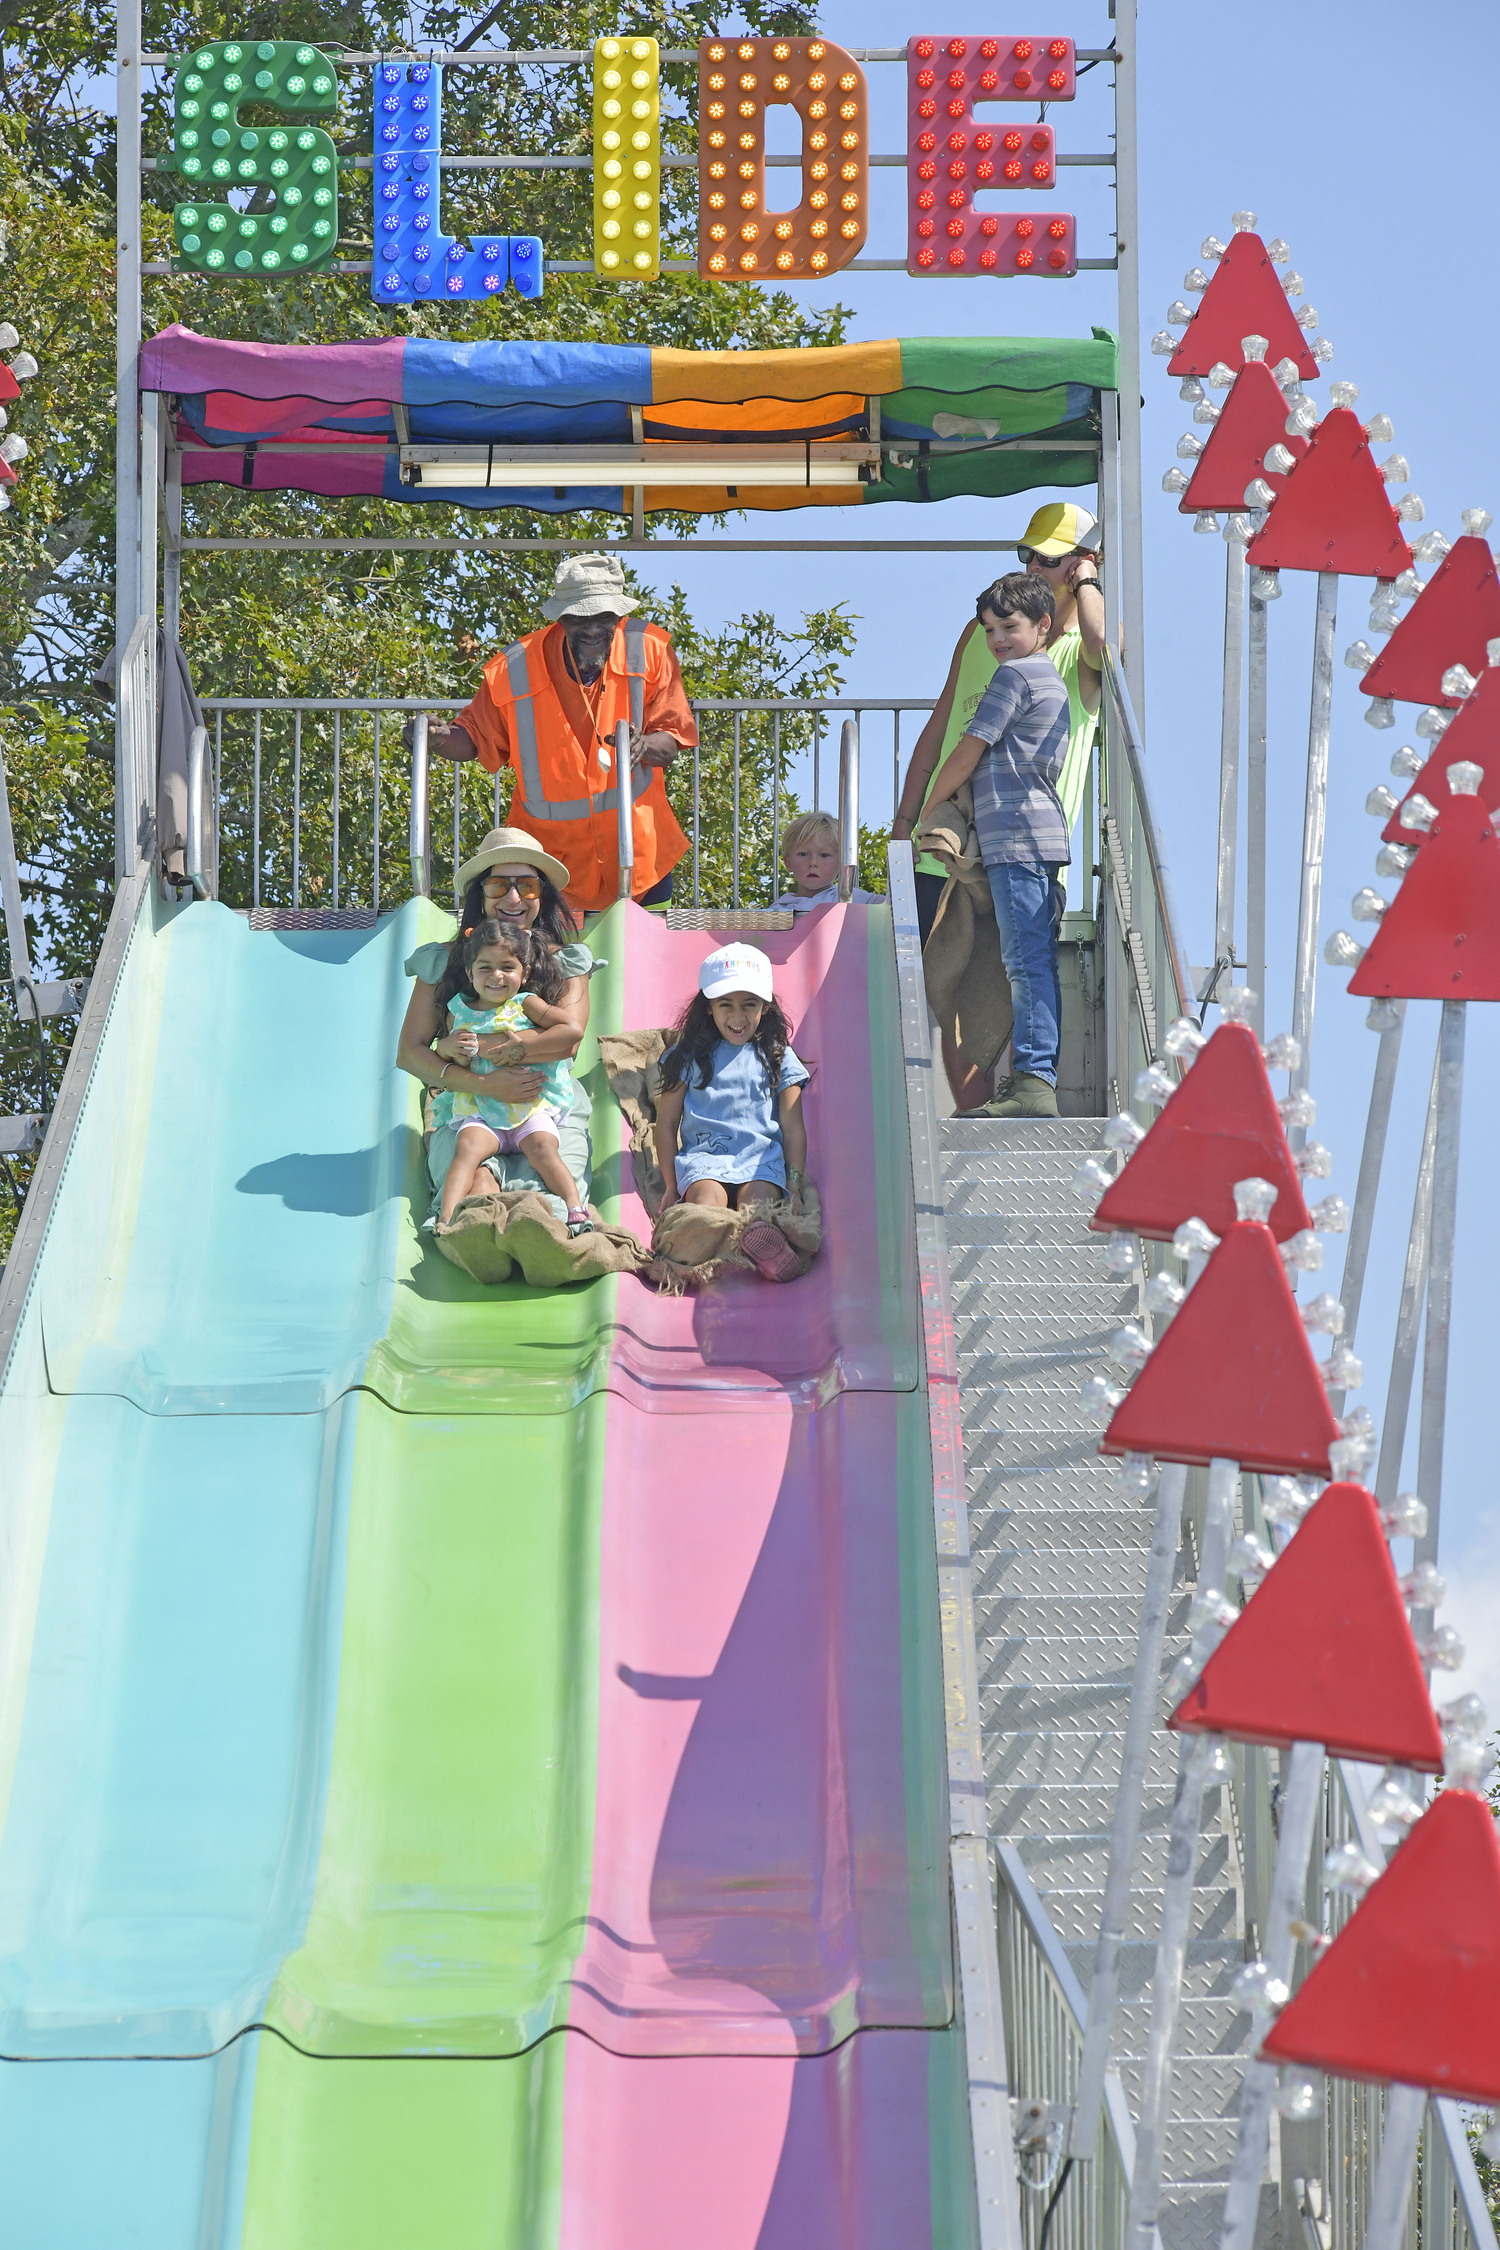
(197, 856)
(1119, 695)
(419, 841)
(1033, 2054)
(624, 807)
(848, 808)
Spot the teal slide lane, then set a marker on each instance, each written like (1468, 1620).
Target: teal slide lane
(167, 1702)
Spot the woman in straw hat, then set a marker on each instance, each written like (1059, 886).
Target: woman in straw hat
(510, 879)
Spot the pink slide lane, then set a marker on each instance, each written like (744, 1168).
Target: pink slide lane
(769, 1870)
(765, 1986)
(837, 2152)
(850, 1323)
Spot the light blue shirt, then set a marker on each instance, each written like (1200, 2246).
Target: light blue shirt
(731, 1128)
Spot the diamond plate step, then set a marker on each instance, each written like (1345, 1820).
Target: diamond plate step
(982, 1135)
(1212, 1965)
(1210, 2027)
(1060, 1759)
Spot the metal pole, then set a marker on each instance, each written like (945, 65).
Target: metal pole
(848, 808)
(127, 401)
(735, 893)
(1409, 1313)
(625, 807)
(419, 843)
(1450, 1090)
(1255, 818)
(1313, 820)
(1229, 752)
(1128, 291)
(1405, 2108)
(1372, 1157)
(1299, 1811)
(1177, 1901)
(149, 531)
(1166, 1537)
(338, 748)
(375, 876)
(255, 823)
(171, 600)
(296, 809)
(197, 781)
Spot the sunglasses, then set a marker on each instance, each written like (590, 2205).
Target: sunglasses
(524, 886)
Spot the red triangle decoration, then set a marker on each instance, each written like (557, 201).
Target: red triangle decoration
(1474, 735)
(1234, 1376)
(1324, 1651)
(1456, 613)
(1409, 1990)
(1252, 421)
(1439, 938)
(1333, 512)
(1244, 298)
(9, 387)
(1220, 1125)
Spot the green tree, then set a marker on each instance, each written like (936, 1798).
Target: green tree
(333, 623)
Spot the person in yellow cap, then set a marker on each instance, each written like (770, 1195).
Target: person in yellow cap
(1060, 546)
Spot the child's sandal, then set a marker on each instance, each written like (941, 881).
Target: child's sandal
(769, 1252)
(579, 1222)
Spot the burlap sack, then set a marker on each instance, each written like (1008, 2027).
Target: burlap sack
(967, 986)
(692, 1243)
(494, 1235)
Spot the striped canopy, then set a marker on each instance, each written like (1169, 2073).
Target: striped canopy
(329, 418)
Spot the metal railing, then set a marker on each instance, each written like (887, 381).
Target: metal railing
(1147, 982)
(1045, 2012)
(316, 801)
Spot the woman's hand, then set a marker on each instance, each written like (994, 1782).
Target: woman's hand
(900, 830)
(510, 1085)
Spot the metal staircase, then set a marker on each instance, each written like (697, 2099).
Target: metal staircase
(1059, 1562)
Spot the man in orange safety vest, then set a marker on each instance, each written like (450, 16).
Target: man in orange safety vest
(548, 708)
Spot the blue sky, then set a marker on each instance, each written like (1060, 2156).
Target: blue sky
(1376, 172)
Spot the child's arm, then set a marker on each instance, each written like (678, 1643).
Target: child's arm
(956, 768)
(793, 1129)
(669, 1108)
(460, 1043)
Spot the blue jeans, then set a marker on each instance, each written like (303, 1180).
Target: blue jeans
(1028, 908)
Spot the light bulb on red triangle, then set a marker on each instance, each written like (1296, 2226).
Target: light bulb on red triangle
(1220, 1125)
(1234, 1377)
(1244, 298)
(1253, 419)
(1473, 737)
(1439, 939)
(1451, 620)
(1409, 1991)
(1323, 1652)
(1333, 512)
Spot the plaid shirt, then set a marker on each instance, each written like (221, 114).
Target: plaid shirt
(1023, 716)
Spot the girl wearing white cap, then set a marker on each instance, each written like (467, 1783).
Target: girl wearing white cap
(729, 1123)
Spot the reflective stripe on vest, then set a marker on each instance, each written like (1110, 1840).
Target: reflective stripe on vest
(527, 754)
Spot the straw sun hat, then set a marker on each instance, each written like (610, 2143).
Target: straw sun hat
(512, 847)
(587, 586)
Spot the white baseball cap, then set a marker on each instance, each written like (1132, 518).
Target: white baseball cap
(736, 968)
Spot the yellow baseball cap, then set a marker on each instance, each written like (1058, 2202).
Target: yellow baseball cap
(1059, 528)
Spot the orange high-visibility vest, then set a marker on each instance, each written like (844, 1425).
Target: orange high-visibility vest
(566, 790)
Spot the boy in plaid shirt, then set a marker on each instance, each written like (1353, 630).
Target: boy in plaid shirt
(1013, 754)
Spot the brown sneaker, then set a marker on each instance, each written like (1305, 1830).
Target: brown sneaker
(1028, 1097)
(769, 1252)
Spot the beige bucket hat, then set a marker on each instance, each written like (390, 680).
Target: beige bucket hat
(512, 847)
(587, 585)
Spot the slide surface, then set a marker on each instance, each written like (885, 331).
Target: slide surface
(471, 1761)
